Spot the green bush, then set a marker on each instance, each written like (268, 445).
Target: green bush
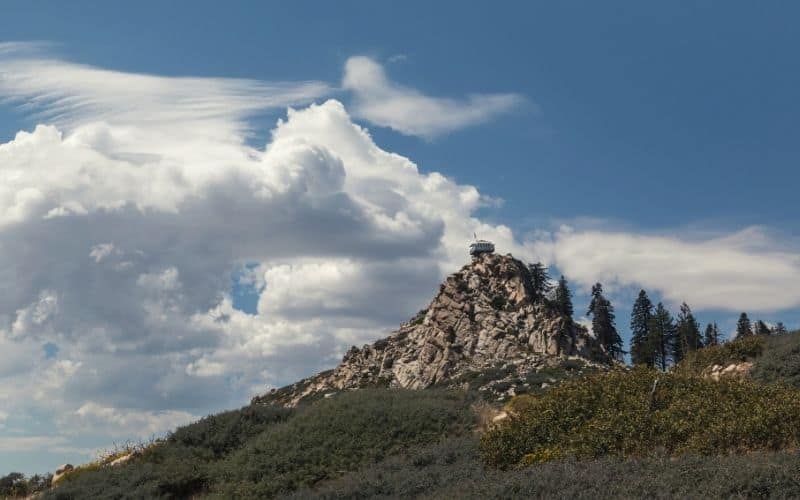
(454, 469)
(259, 452)
(418, 318)
(182, 465)
(16, 485)
(229, 430)
(619, 413)
(780, 361)
(165, 471)
(743, 349)
(342, 434)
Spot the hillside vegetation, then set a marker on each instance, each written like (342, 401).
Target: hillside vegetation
(691, 437)
(744, 349)
(454, 469)
(263, 451)
(632, 413)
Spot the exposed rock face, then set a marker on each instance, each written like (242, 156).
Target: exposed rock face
(484, 316)
(733, 370)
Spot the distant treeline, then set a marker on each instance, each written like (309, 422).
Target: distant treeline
(658, 339)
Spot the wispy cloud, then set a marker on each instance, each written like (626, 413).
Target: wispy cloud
(69, 94)
(406, 110)
(744, 270)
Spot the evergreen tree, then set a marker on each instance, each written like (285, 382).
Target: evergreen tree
(603, 319)
(743, 326)
(597, 293)
(688, 334)
(761, 328)
(711, 335)
(779, 329)
(641, 351)
(662, 336)
(563, 298)
(540, 281)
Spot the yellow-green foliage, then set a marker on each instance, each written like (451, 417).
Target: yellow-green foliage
(743, 349)
(619, 413)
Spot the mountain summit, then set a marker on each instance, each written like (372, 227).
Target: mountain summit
(484, 317)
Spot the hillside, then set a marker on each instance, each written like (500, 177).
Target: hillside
(388, 443)
(384, 443)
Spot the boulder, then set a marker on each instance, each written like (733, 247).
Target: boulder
(61, 472)
(123, 458)
(737, 370)
(500, 417)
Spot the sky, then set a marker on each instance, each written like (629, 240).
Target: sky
(199, 203)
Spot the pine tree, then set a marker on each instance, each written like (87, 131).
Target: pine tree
(779, 329)
(743, 326)
(540, 281)
(597, 293)
(761, 328)
(641, 352)
(711, 335)
(662, 336)
(688, 334)
(563, 298)
(603, 319)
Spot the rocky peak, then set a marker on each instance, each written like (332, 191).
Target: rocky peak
(485, 315)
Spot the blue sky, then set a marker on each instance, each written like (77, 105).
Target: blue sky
(697, 103)
(663, 130)
(703, 95)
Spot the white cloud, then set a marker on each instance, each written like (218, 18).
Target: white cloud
(17, 444)
(34, 319)
(70, 94)
(122, 422)
(122, 224)
(101, 251)
(586, 323)
(120, 230)
(388, 104)
(745, 270)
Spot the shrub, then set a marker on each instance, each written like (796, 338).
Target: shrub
(780, 361)
(178, 467)
(573, 364)
(16, 485)
(499, 302)
(227, 431)
(343, 434)
(743, 349)
(161, 472)
(258, 452)
(454, 469)
(620, 413)
(476, 379)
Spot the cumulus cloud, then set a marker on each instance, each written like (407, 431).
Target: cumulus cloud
(745, 270)
(388, 104)
(124, 218)
(123, 226)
